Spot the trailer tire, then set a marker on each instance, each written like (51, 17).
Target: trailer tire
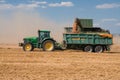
(48, 45)
(88, 48)
(98, 49)
(64, 45)
(28, 47)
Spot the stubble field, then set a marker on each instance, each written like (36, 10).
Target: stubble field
(15, 64)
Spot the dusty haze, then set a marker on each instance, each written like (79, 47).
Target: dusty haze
(14, 26)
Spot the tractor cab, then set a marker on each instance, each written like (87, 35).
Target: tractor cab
(43, 34)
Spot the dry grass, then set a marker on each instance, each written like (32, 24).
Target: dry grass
(15, 64)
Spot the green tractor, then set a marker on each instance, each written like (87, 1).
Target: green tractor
(43, 41)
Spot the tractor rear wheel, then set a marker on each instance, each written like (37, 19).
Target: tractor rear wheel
(88, 48)
(48, 45)
(28, 47)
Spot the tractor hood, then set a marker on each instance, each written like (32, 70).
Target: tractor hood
(30, 39)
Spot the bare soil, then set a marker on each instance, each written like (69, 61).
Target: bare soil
(15, 64)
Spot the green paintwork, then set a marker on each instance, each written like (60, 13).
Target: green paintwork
(84, 39)
(86, 23)
(42, 34)
(43, 31)
(33, 40)
(37, 41)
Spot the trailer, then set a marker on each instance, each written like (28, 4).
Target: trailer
(88, 42)
(86, 37)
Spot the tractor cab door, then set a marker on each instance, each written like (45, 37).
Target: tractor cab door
(43, 34)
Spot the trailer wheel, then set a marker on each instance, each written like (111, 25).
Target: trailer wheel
(48, 45)
(28, 47)
(88, 48)
(98, 49)
(64, 45)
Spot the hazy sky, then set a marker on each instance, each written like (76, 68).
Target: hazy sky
(22, 18)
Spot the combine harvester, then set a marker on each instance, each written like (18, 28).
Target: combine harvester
(81, 36)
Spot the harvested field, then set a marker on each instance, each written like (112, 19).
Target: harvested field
(15, 64)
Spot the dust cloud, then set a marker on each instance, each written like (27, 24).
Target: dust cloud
(116, 39)
(14, 26)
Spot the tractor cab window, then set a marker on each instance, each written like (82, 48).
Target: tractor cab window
(44, 34)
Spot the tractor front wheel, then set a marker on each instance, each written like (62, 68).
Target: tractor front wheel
(28, 47)
(48, 45)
